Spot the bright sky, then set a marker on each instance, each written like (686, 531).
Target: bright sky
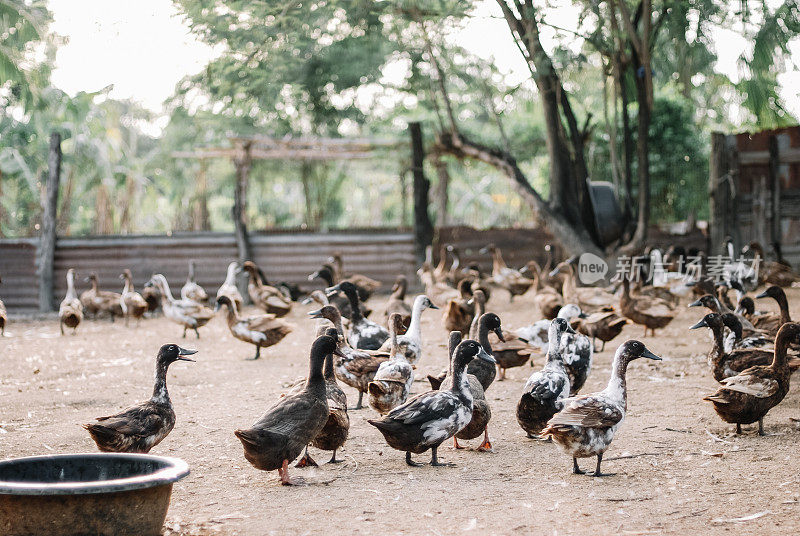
(144, 48)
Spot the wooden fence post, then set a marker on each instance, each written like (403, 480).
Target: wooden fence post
(47, 241)
(719, 189)
(423, 229)
(243, 162)
(775, 190)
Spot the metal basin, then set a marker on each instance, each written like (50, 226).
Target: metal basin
(99, 494)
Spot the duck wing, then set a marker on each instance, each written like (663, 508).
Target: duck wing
(142, 420)
(291, 413)
(264, 323)
(426, 407)
(588, 411)
(752, 381)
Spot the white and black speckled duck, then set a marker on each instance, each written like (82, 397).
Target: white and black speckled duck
(132, 303)
(229, 288)
(141, 427)
(191, 290)
(587, 424)
(736, 339)
(410, 343)
(187, 313)
(394, 377)
(282, 433)
(546, 389)
(334, 433)
(364, 334)
(429, 419)
(261, 331)
(70, 312)
(481, 412)
(576, 349)
(748, 396)
(356, 368)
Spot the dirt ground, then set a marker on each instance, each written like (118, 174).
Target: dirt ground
(679, 468)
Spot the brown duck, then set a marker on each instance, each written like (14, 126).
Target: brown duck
(459, 312)
(770, 324)
(267, 297)
(748, 396)
(261, 331)
(652, 313)
(70, 312)
(605, 325)
(133, 304)
(100, 301)
(143, 426)
(397, 301)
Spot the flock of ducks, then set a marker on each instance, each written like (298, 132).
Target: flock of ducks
(752, 356)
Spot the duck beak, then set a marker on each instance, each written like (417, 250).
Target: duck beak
(746, 249)
(499, 333)
(696, 303)
(183, 352)
(216, 307)
(316, 314)
(306, 301)
(763, 295)
(313, 276)
(432, 306)
(583, 315)
(330, 291)
(524, 270)
(701, 324)
(569, 330)
(339, 353)
(650, 355)
(555, 271)
(470, 301)
(483, 354)
(483, 250)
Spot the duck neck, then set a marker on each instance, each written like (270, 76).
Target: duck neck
(483, 338)
(780, 362)
(717, 353)
(71, 294)
(616, 384)
(456, 261)
(230, 277)
(355, 308)
(569, 285)
(400, 292)
(254, 279)
(497, 261)
(554, 349)
(94, 284)
(166, 293)
(783, 303)
(328, 371)
(128, 286)
(160, 393)
(414, 331)
(233, 314)
(316, 377)
(457, 369)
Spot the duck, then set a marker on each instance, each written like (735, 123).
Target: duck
(355, 368)
(588, 298)
(261, 330)
(322, 323)
(191, 290)
(555, 282)
(576, 350)
(509, 351)
(652, 313)
(546, 298)
(365, 285)
(456, 273)
(736, 339)
(339, 299)
(187, 313)
(397, 301)
(334, 434)
(441, 271)
(132, 303)
(748, 396)
(152, 296)
(141, 427)
(427, 420)
(512, 280)
(770, 272)
(544, 392)
(769, 324)
(96, 301)
(281, 434)
(605, 325)
(459, 311)
(713, 304)
(395, 376)
(481, 412)
(437, 291)
(410, 343)
(586, 424)
(70, 312)
(725, 364)
(229, 288)
(364, 333)
(264, 296)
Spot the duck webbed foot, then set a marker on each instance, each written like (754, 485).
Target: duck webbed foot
(597, 471)
(435, 460)
(486, 446)
(456, 445)
(283, 472)
(306, 461)
(576, 469)
(411, 462)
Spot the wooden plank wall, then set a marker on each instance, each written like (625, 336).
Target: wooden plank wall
(289, 257)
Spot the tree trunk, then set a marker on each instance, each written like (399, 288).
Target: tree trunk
(243, 162)
(423, 228)
(442, 191)
(200, 213)
(66, 203)
(47, 244)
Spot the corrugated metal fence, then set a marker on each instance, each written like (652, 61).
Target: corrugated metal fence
(286, 257)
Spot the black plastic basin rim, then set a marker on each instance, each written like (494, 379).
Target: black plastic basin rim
(171, 470)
